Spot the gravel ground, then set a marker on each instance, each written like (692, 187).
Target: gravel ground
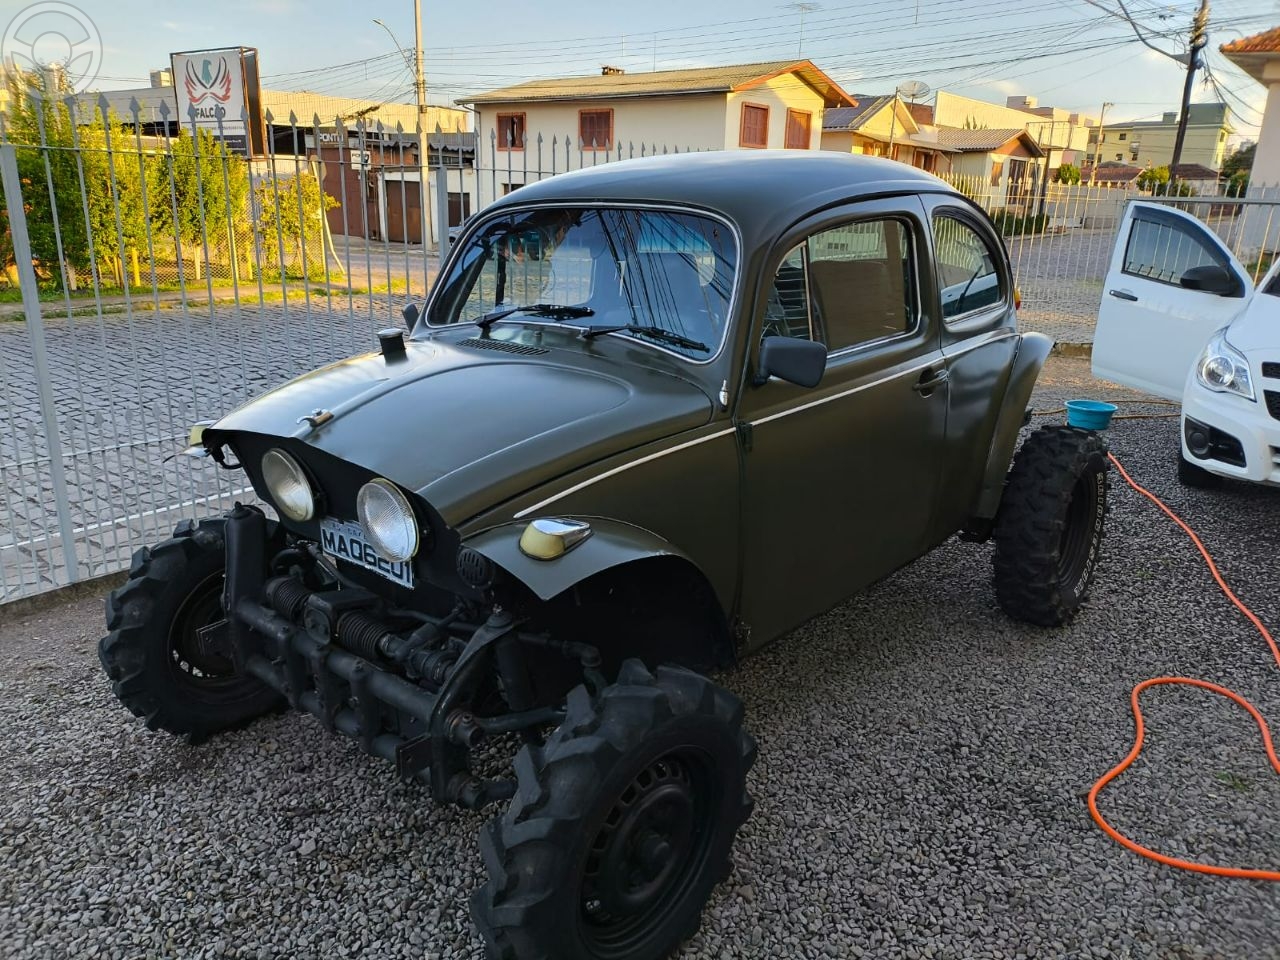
(923, 763)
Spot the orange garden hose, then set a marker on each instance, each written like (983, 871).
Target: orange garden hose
(1116, 835)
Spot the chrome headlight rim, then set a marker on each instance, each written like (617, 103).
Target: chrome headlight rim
(298, 503)
(381, 487)
(1224, 369)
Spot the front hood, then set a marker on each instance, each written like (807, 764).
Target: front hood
(467, 428)
(1257, 328)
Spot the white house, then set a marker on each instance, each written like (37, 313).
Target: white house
(541, 127)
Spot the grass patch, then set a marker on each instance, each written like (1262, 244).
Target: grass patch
(1239, 784)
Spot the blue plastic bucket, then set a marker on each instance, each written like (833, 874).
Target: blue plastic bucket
(1089, 414)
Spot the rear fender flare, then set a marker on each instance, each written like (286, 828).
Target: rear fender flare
(1033, 350)
(611, 544)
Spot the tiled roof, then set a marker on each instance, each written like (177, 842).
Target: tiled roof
(1126, 173)
(1266, 42)
(1110, 173)
(1194, 171)
(666, 82)
(980, 141)
(1251, 54)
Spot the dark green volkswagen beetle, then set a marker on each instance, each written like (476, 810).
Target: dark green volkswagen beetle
(652, 416)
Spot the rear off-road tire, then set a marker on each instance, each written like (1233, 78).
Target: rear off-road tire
(622, 823)
(152, 654)
(1048, 533)
(1195, 476)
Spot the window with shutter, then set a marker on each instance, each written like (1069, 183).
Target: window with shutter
(511, 131)
(755, 126)
(595, 127)
(798, 129)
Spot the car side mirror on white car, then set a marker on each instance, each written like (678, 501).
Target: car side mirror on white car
(1212, 278)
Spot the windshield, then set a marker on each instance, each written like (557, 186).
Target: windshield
(661, 278)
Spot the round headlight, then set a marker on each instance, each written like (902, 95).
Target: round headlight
(288, 485)
(388, 520)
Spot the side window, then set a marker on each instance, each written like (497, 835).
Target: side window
(967, 273)
(861, 282)
(1165, 250)
(846, 286)
(786, 312)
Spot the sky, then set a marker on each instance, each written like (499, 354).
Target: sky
(1067, 53)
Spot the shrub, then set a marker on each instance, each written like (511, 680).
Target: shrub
(1069, 174)
(1011, 224)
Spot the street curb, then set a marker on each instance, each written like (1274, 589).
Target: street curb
(1082, 351)
(41, 602)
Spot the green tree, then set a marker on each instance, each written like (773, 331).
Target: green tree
(1069, 174)
(208, 187)
(290, 217)
(1239, 162)
(91, 162)
(1155, 180)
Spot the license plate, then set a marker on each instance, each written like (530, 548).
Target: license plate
(344, 540)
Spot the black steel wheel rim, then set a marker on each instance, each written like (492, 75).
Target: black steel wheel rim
(649, 851)
(192, 665)
(1077, 532)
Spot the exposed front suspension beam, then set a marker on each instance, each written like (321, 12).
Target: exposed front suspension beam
(286, 639)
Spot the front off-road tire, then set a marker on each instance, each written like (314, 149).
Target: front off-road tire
(152, 654)
(622, 823)
(1048, 533)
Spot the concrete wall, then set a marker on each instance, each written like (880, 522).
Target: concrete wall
(779, 95)
(1266, 162)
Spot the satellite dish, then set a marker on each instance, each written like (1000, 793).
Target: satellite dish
(913, 89)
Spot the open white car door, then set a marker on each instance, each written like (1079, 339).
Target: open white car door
(1171, 284)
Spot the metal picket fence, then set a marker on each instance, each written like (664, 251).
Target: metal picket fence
(149, 278)
(152, 279)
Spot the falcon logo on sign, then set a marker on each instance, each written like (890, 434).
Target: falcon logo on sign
(208, 80)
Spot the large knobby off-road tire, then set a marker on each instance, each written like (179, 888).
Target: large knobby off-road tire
(1048, 533)
(622, 823)
(152, 654)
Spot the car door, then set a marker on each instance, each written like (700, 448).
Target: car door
(840, 479)
(1151, 327)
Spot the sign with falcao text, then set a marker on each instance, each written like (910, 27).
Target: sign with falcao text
(216, 89)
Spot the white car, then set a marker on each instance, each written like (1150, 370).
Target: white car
(1181, 319)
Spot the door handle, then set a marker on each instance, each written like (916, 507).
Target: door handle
(1123, 295)
(930, 381)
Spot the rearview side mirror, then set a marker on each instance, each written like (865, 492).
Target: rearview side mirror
(1212, 278)
(410, 314)
(801, 362)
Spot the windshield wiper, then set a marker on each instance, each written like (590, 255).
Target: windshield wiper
(658, 333)
(555, 310)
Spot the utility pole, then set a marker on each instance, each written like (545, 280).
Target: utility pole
(1199, 40)
(893, 122)
(1097, 153)
(420, 88)
(1048, 158)
(424, 148)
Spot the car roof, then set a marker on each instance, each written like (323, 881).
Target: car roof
(760, 190)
